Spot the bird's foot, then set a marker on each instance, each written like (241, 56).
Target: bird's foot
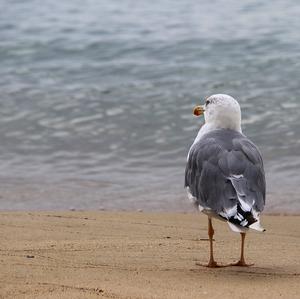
(241, 263)
(211, 264)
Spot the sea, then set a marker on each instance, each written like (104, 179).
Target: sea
(96, 98)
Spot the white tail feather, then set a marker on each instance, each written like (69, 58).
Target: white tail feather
(257, 226)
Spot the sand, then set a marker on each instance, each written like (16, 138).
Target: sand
(142, 255)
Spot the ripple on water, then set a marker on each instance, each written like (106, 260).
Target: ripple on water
(83, 101)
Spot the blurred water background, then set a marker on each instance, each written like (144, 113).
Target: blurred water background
(96, 97)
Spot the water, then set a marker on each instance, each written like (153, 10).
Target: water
(96, 97)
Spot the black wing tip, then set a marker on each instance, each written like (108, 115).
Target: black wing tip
(244, 216)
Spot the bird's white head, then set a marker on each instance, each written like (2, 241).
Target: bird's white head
(221, 111)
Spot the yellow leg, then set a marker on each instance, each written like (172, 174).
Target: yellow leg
(242, 262)
(212, 263)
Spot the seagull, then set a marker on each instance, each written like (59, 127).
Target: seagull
(224, 174)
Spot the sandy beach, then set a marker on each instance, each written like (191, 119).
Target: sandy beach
(142, 255)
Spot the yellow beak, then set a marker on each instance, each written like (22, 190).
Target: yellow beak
(198, 110)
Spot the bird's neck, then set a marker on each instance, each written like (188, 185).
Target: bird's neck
(208, 127)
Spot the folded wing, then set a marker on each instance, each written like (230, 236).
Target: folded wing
(224, 174)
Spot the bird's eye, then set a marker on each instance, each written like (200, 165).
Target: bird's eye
(207, 102)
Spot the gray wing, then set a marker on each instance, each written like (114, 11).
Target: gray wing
(225, 173)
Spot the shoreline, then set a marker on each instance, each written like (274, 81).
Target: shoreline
(147, 211)
(105, 254)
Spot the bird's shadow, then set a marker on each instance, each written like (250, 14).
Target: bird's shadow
(251, 271)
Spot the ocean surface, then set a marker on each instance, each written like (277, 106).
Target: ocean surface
(96, 97)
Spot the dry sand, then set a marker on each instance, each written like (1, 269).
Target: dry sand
(142, 255)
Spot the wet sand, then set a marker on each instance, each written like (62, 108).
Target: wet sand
(142, 255)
